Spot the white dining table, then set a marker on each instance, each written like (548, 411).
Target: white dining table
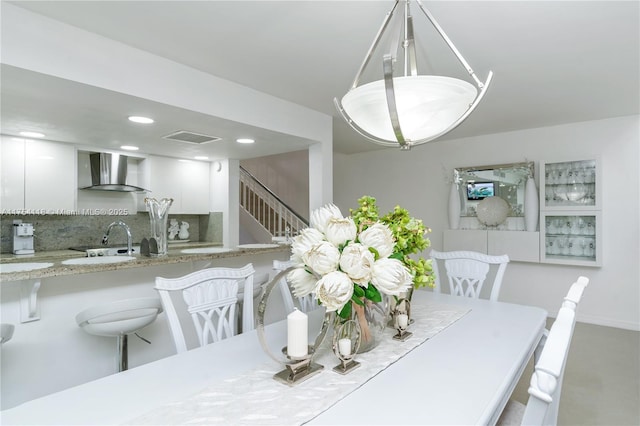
(463, 375)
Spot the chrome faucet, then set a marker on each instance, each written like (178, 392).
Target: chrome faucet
(105, 238)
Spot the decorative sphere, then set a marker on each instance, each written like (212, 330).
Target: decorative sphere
(492, 211)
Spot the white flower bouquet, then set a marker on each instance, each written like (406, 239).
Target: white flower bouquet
(343, 265)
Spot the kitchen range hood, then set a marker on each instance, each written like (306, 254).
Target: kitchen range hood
(109, 173)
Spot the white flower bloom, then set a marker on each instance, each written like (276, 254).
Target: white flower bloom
(356, 261)
(390, 276)
(303, 242)
(302, 282)
(380, 237)
(334, 290)
(320, 217)
(322, 258)
(340, 230)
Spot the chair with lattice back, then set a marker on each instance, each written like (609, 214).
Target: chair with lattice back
(211, 296)
(467, 272)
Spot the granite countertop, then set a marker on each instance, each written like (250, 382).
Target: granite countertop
(175, 255)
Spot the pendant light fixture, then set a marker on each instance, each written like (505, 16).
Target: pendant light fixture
(410, 109)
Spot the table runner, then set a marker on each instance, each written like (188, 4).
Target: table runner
(256, 398)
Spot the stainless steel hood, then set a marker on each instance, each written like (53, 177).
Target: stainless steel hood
(109, 173)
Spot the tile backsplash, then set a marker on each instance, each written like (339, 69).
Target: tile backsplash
(59, 232)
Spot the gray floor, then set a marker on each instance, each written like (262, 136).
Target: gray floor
(602, 378)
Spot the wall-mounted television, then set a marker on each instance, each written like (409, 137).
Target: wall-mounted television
(480, 190)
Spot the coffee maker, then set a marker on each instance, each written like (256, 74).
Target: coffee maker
(22, 237)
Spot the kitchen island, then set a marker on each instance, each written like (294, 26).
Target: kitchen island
(50, 352)
(174, 256)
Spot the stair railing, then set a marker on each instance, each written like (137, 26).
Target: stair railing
(273, 214)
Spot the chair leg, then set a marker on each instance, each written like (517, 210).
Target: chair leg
(123, 353)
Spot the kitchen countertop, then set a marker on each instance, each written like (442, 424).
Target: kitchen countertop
(175, 255)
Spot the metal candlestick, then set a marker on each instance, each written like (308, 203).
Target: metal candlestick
(296, 369)
(350, 330)
(405, 310)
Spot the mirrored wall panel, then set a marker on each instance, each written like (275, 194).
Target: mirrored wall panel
(506, 181)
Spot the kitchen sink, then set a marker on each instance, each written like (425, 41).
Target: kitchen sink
(258, 245)
(22, 267)
(205, 250)
(97, 260)
(99, 250)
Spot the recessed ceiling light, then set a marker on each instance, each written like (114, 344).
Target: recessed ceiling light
(141, 120)
(129, 148)
(201, 157)
(32, 134)
(245, 140)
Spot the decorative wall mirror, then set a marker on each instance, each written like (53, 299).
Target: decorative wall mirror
(506, 181)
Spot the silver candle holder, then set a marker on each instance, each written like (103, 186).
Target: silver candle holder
(346, 342)
(401, 320)
(297, 369)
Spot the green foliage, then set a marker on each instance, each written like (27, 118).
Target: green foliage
(372, 294)
(409, 233)
(345, 312)
(365, 215)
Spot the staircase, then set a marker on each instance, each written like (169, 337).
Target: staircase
(272, 214)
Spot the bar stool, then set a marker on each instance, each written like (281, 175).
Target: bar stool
(6, 332)
(118, 319)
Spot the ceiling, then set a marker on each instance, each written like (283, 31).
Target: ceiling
(554, 62)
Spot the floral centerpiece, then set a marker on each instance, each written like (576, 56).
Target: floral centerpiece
(350, 261)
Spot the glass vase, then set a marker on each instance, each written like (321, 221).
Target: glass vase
(372, 320)
(158, 215)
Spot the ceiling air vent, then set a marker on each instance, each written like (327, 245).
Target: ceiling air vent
(191, 137)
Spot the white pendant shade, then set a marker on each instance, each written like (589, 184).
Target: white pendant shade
(427, 105)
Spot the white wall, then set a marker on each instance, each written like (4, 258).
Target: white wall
(417, 180)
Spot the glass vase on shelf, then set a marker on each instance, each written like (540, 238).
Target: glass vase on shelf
(158, 216)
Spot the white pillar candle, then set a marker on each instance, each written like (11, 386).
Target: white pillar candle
(297, 334)
(344, 347)
(403, 321)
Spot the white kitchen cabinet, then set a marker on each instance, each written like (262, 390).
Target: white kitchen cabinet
(50, 176)
(187, 182)
(40, 176)
(12, 174)
(520, 246)
(570, 216)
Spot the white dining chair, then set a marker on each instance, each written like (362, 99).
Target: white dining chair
(211, 296)
(546, 382)
(574, 295)
(571, 300)
(466, 272)
(305, 304)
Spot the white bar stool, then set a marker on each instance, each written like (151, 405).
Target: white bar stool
(6, 332)
(118, 319)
